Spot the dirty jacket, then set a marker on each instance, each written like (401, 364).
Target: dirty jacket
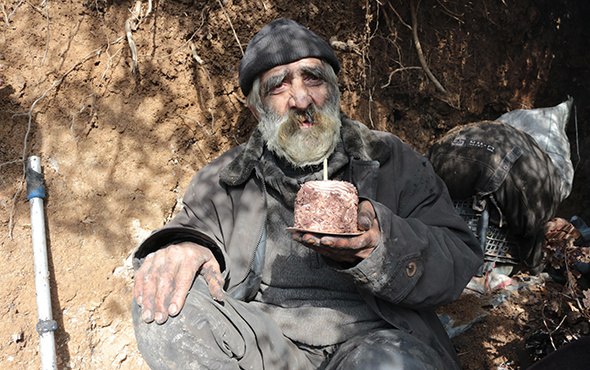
(425, 258)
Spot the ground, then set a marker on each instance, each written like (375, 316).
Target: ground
(120, 137)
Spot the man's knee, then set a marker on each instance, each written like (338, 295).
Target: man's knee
(386, 349)
(191, 338)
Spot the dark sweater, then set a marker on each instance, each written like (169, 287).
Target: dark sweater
(311, 302)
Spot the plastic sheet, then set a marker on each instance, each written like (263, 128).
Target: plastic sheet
(547, 127)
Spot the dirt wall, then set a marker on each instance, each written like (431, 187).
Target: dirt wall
(119, 148)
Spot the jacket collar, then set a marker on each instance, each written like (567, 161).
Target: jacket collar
(359, 142)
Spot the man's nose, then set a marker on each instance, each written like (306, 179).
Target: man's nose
(300, 95)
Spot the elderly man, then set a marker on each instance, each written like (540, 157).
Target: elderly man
(224, 285)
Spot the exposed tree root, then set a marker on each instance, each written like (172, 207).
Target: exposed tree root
(231, 26)
(131, 24)
(451, 99)
(421, 54)
(201, 63)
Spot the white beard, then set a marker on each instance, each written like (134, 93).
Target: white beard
(302, 147)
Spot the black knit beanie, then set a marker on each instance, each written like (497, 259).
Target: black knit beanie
(282, 41)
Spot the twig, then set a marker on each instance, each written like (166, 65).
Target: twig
(11, 162)
(577, 138)
(14, 10)
(46, 15)
(10, 220)
(365, 51)
(398, 16)
(370, 108)
(550, 334)
(419, 50)
(198, 123)
(244, 102)
(5, 16)
(348, 46)
(366, 42)
(395, 71)
(231, 25)
(554, 330)
(189, 40)
(149, 9)
(37, 9)
(47, 45)
(449, 12)
(560, 323)
(131, 25)
(110, 57)
(194, 53)
(200, 61)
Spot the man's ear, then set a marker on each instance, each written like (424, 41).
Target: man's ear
(254, 111)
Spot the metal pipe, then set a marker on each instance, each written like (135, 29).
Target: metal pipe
(46, 325)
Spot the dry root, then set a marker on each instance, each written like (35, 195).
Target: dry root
(131, 25)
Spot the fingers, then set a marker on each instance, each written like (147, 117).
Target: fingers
(344, 249)
(157, 285)
(163, 281)
(164, 287)
(145, 288)
(559, 228)
(350, 248)
(212, 274)
(366, 215)
(139, 277)
(338, 254)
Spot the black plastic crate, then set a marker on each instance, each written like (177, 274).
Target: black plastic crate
(500, 244)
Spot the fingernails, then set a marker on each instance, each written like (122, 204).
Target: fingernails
(173, 309)
(147, 316)
(364, 223)
(219, 298)
(160, 318)
(327, 243)
(139, 300)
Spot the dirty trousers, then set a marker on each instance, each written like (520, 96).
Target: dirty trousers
(235, 335)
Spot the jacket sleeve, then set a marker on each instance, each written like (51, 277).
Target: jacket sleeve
(427, 253)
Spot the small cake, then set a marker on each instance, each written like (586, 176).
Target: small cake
(327, 206)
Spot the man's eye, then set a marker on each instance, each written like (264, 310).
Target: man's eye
(277, 88)
(313, 80)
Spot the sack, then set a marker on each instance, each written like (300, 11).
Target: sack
(493, 162)
(547, 127)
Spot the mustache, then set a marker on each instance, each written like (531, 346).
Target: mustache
(295, 118)
(285, 136)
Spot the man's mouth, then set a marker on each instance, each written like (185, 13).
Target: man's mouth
(305, 121)
(305, 124)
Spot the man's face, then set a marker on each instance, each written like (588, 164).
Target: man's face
(295, 85)
(300, 118)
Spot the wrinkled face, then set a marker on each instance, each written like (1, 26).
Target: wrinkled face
(295, 85)
(299, 111)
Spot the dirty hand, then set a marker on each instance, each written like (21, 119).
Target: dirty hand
(351, 249)
(165, 277)
(561, 229)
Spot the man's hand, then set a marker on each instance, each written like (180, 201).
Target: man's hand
(163, 281)
(350, 249)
